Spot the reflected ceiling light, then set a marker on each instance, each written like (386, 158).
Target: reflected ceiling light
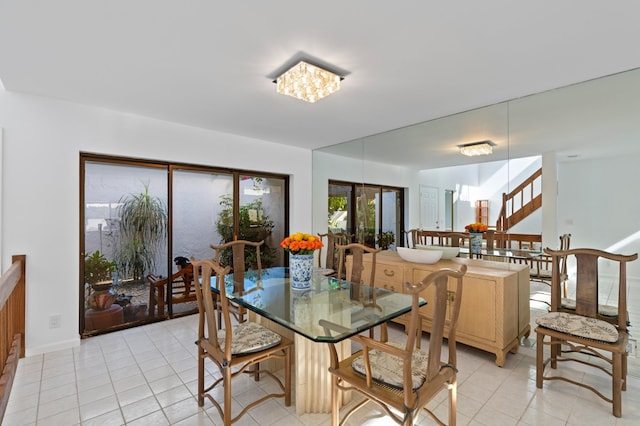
(477, 148)
(308, 82)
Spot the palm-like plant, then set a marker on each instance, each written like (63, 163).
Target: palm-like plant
(143, 231)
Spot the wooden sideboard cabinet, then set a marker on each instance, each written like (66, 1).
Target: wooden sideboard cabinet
(494, 311)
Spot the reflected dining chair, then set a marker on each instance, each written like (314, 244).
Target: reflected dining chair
(540, 266)
(179, 287)
(332, 239)
(354, 275)
(584, 335)
(238, 264)
(412, 237)
(397, 376)
(235, 349)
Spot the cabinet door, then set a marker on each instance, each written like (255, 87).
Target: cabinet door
(477, 316)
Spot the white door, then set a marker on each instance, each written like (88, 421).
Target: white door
(429, 208)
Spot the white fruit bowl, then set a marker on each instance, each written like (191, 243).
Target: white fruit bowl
(447, 252)
(419, 256)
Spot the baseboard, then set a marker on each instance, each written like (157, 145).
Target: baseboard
(58, 346)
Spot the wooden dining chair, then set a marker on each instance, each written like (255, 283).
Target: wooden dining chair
(235, 349)
(540, 266)
(411, 237)
(179, 287)
(584, 335)
(397, 376)
(239, 265)
(331, 257)
(354, 275)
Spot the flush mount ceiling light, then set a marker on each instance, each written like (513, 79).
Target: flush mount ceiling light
(477, 148)
(308, 82)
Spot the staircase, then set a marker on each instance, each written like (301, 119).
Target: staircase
(521, 202)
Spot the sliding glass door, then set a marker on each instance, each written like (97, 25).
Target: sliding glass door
(373, 214)
(140, 217)
(124, 239)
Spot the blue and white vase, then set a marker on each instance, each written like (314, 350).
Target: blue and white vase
(300, 269)
(476, 242)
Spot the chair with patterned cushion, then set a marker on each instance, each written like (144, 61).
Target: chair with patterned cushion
(397, 376)
(235, 349)
(584, 335)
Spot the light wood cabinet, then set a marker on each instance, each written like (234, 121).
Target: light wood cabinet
(494, 311)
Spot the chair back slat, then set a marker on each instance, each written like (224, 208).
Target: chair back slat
(587, 289)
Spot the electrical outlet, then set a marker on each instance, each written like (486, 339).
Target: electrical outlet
(54, 321)
(632, 347)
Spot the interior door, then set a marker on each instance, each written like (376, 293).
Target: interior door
(429, 207)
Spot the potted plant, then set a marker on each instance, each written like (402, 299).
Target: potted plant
(142, 233)
(385, 239)
(98, 271)
(254, 225)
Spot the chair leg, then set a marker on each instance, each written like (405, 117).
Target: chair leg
(335, 406)
(256, 372)
(287, 376)
(617, 384)
(200, 376)
(556, 347)
(624, 370)
(539, 359)
(453, 402)
(227, 395)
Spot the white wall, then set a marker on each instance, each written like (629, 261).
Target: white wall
(40, 194)
(598, 205)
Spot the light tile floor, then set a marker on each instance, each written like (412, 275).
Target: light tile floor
(147, 376)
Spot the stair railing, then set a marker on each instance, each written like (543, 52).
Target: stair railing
(521, 202)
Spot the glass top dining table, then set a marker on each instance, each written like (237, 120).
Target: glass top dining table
(351, 308)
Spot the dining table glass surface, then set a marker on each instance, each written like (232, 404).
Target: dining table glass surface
(350, 308)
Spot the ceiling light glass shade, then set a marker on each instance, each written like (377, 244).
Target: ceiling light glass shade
(477, 148)
(307, 82)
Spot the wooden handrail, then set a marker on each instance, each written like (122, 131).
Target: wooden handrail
(12, 318)
(505, 219)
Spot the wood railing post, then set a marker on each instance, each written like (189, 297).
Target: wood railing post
(12, 329)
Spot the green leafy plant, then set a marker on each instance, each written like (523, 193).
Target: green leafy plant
(254, 225)
(97, 268)
(385, 239)
(142, 233)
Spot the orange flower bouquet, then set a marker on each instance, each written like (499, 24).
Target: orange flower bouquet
(476, 227)
(300, 243)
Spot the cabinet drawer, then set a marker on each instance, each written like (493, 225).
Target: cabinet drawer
(389, 273)
(387, 276)
(389, 285)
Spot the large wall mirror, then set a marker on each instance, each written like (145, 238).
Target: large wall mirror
(584, 137)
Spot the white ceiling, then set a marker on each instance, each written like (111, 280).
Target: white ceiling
(210, 64)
